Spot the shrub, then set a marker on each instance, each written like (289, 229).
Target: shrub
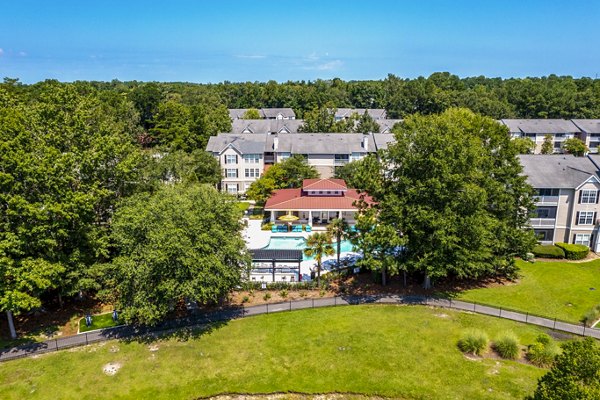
(548, 251)
(284, 293)
(303, 293)
(507, 346)
(245, 299)
(592, 316)
(473, 341)
(267, 226)
(543, 352)
(574, 251)
(267, 296)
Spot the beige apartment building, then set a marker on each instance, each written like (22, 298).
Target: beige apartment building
(567, 201)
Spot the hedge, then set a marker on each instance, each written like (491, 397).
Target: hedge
(574, 251)
(548, 251)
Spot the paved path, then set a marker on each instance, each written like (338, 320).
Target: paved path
(124, 332)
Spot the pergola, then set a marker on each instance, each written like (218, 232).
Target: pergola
(273, 257)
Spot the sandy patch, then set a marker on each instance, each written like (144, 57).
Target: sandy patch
(153, 347)
(111, 369)
(442, 315)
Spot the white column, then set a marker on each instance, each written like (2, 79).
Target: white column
(310, 217)
(339, 214)
(272, 216)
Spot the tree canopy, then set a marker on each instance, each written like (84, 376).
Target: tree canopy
(182, 243)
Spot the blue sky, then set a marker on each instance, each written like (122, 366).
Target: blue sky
(213, 41)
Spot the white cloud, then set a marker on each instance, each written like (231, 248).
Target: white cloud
(22, 54)
(251, 56)
(1, 51)
(331, 65)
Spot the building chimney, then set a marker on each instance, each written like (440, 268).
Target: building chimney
(275, 143)
(365, 142)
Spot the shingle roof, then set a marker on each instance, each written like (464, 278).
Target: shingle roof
(245, 144)
(273, 112)
(588, 125)
(386, 125)
(235, 113)
(296, 199)
(382, 140)
(557, 171)
(266, 125)
(375, 113)
(324, 184)
(324, 143)
(540, 126)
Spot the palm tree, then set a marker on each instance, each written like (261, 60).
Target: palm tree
(318, 244)
(339, 229)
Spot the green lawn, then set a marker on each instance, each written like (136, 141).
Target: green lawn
(98, 322)
(406, 352)
(554, 289)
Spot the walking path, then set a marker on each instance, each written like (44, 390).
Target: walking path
(124, 332)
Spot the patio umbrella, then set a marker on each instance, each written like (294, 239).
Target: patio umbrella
(288, 218)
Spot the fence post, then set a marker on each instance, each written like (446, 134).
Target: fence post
(267, 308)
(584, 329)
(313, 303)
(554, 327)
(526, 316)
(500, 314)
(290, 305)
(451, 302)
(56, 344)
(335, 300)
(474, 305)
(86, 339)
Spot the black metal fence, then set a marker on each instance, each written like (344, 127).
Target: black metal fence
(204, 319)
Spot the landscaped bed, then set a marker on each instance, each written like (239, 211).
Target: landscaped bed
(563, 290)
(397, 351)
(98, 322)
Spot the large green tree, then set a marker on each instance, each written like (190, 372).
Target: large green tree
(285, 174)
(181, 167)
(182, 243)
(319, 245)
(575, 374)
(454, 190)
(340, 230)
(575, 146)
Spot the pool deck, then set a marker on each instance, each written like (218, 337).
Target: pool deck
(257, 239)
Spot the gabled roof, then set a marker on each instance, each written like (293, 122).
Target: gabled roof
(386, 125)
(383, 140)
(274, 112)
(324, 143)
(244, 144)
(557, 171)
(588, 125)
(540, 126)
(375, 113)
(266, 125)
(324, 184)
(296, 199)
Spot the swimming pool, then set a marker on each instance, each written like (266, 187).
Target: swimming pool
(299, 243)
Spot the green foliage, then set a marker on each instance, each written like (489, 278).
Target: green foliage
(574, 375)
(574, 251)
(592, 316)
(267, 226)
(285, 174)
(547, 145)
(267, 296)
(524, 145)
(181, 243)
(100, 321)
(366, 124)
(178, 166)
(365, 174)
(251, 113)
(473, 341)
(283, 293)
(543, 352)
(575, 146)
(340, 230)
(318, 245)
(507, 346)
(548, 251)
(454, 189)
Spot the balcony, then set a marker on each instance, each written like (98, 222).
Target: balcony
(542, 222)
(546, 200)
(339, 163)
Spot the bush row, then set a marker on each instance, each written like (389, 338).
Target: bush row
(574, 251)
(548, 251)
(541, 353)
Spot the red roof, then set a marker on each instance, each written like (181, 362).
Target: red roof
(324, 184)
(296, 199)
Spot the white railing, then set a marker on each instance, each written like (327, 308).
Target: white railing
(537, 222)
(546, 199)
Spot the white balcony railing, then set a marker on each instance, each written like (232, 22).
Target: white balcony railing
(546, 199)
(541, 222)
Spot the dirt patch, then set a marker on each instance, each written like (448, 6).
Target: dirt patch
(442, 315)
(153, 348)
(112, 368)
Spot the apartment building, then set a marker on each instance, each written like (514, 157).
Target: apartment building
(567, 201)
(590, 132)
(270, 126)
(345, 113)
(537, 130)
(266, 113)
(245, 156)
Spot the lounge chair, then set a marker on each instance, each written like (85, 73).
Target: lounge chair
(296, 228)
(282, 228)
(308, 228)
(273, 228)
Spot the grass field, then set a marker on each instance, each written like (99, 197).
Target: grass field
(406, 352)
(98, 322)
(554, 289)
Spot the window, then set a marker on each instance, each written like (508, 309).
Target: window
(342, 157)
(583, 238)
(232, 188)
(252, 172)
(588, 196)
(544, 234)
(230, 159)
(547, 192)
(585, 218)
(231, 173)
(252, 158)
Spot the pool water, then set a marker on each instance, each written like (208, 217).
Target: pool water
(299, 243)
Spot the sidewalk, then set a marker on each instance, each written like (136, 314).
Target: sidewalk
(123, 332)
